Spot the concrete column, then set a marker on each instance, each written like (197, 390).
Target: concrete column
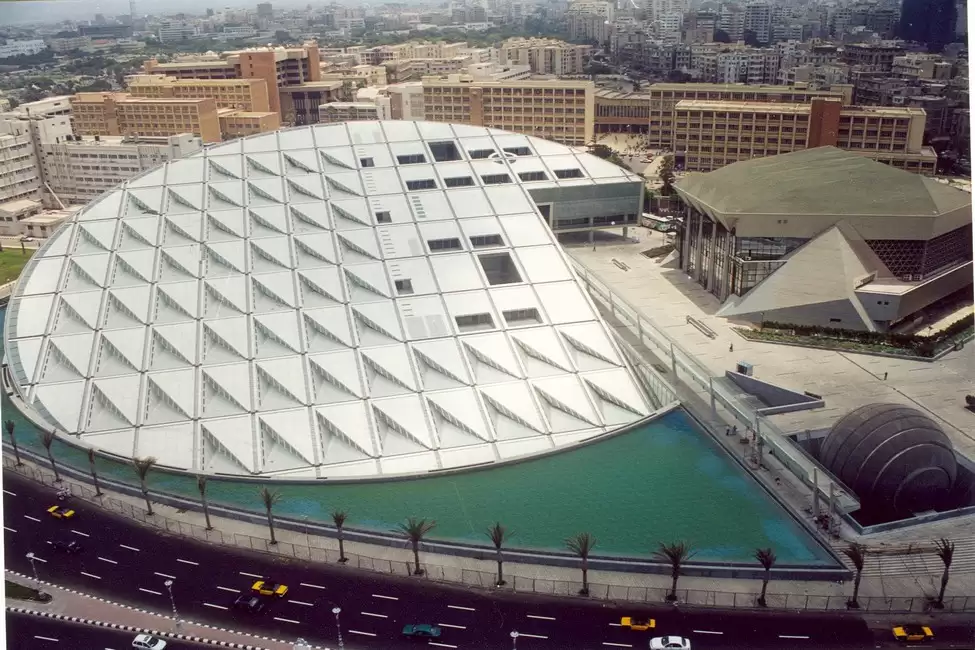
(714, 410)
(815, 493)
(592, 235)
(626, 229)
(700, 252)
(673, 361)
(832, 504)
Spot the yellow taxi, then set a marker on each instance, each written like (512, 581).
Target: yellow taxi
(913, 633)
(638, 624)
(59, 512)
(269, 588)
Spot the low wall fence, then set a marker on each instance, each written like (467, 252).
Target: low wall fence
(315, 550)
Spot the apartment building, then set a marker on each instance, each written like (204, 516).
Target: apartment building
(663, 97)
(21, 48)
(926, 67)
(106, 113)
(240, 124)
(746, 65)
(873, 57)
(77, 169)
(368, 75)
(20, 178)
(711, 134)
(240, 94)
(300, 103)
(560, 110)
(348, 112)
(405, 101)
(546, 55)
(411, 50)
(277, 66)
(416, 69)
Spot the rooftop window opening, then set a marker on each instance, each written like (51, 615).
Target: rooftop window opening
(568, 173)
(529, 316)
(519, 151)
(404, 287)
(444, 151)
(533, 176)
(411, 159)
(446, 244)
(479, 154)
(367, 162)
(499, 268)
(486, 241)
(459, 181)
(423, 184)
(474, 322)
(495, 179)
(383, 216)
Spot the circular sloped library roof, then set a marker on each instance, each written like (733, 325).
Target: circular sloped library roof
(349, 300)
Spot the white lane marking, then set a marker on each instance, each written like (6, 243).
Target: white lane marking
(10, 529)
(46, 638)
(466, 609)
(250, 575)
(31, 518)
(150, 591)
(164, 575)
(78, 532)
(532, 636)
(105, 559)
(541, 618)
(617, 645)
(456, 627)
(215, 606)
(91, 575)
(790, 636)
(373, 615)
(707, 632)
(9, 492)
(187, 562)
(362, 633)
(615, 625)
(234, 591)
(286, 620)
(305, 584)
(131, 548)
(385, 597)
(442, 645)
(301, 602)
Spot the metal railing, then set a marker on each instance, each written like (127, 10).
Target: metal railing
(319, 549)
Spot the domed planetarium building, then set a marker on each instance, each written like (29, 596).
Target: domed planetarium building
(358, 300)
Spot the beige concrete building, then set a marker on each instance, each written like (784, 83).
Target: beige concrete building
(106, 113)
(411, 50)
(240, 94)
(559, 110)
(20, 178)
(546, 55)
(922, 67)
(240, 124)
(299, 103)
(348, 112)
(712, 134)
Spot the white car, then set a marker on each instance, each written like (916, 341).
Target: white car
(670, 643)
(148, 642)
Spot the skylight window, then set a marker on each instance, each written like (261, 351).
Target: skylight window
(404, 287)
(444, 151)
(499, 268)
(474, 322)
(411, 159)
(486, 241)
(495, 179)
(519, 151)
(367, 162)
(447, 244)
(568, 173)
(423, 184)
(459, 181)
(478, 154)
(528, 316)
(533, 176)
(383, 216)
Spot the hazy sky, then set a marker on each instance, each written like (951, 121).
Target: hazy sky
(12, 13)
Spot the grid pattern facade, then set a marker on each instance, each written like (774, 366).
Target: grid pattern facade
(323, 302)
(242, 94)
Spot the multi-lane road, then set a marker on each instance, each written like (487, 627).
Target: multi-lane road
(26, 632)
(128, 563)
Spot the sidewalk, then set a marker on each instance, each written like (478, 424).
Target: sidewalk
(68, 604)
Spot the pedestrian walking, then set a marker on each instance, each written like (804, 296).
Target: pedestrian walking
(731, 347)
(885, 376)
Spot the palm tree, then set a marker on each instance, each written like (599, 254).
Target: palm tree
(582, 544)
(766, 557)
(675, 555)
(414, 530)
(945, 550)
(142, 467)
(498, 535)
(9, 426)
(270, 497)
(201, 485)
(338, 518)
(858, 556)
(94, 474)
(47, 439)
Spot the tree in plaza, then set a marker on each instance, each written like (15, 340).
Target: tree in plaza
(338, 518)
(675, 554)
(666, 174)
(414, 530)
(766, 557)
(201, 485)
(270, 498)
(858, 555)
(582, 545)
(9, 425)
(498, 535)
(142, 468)
(94, 474)
(945, 550)
(47, 439)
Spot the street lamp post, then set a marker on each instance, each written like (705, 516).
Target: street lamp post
(33, 566)
(172, 601)
(514, 641)
(338, 626)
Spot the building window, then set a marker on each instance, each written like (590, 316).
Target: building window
(477, 154)
(528, 316)
(425, 184)
(383, 216)
(533, 176)
(458, 181)
(474, 322)
(486, 241)
(404, 286)
(568, 173)
(446, 244)
(367, 162)
(495, 179)
(444, 151)
(411, 159)
(519, 151)
(499, 268)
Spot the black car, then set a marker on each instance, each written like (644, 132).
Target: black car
(250, 604)
(66, 546)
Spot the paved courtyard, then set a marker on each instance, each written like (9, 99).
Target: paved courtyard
(665, 295)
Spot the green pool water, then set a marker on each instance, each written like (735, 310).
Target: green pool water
(661, 482)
